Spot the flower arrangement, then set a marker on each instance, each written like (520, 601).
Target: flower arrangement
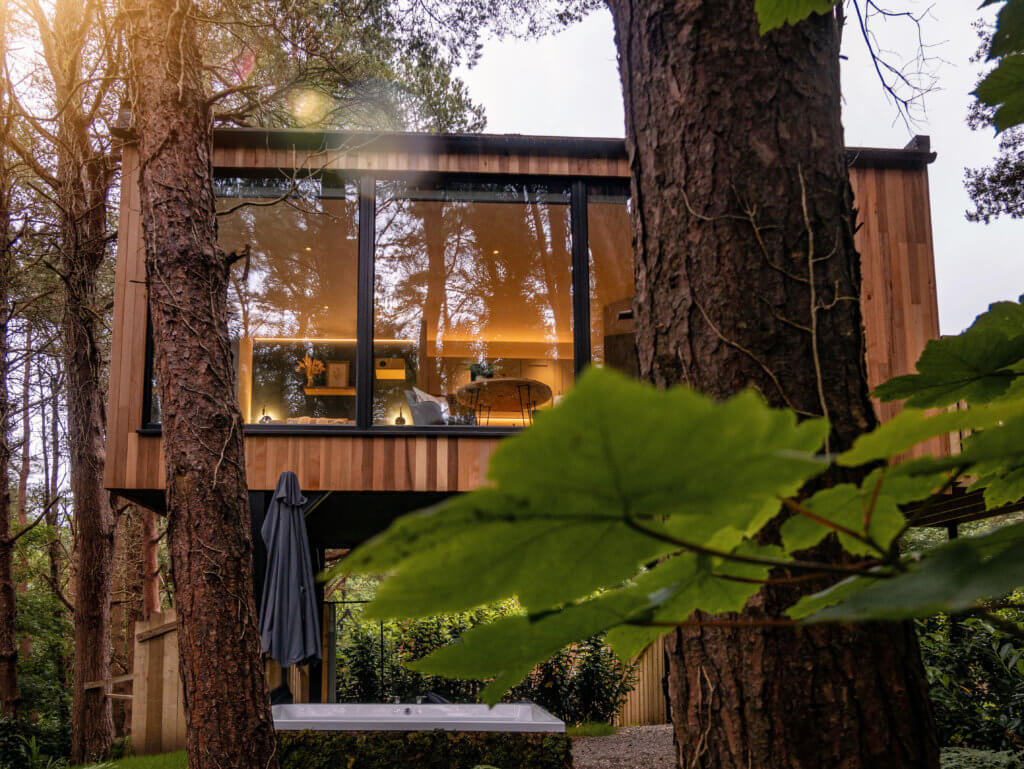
(312, 367)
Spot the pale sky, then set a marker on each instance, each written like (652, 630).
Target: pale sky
(568, 85)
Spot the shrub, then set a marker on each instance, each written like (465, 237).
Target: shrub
(976, 680)
(583, 682)
(967, 758)
(423, 750)
(27, 745)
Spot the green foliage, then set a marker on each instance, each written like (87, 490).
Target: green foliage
(966, 758)
(591, 730)
(175, 760)
(976, 680)
(27, 744)
(1003, 88)
(774, 13)
(624, 510)
(955, 577)
(577, 683)
(424, 750)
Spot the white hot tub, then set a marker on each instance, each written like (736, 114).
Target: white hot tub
(515, 717)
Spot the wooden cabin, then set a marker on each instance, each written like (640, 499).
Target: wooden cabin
(394, 267)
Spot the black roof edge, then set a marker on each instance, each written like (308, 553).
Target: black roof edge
(917, 154)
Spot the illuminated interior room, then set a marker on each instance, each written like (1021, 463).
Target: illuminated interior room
(472, 301)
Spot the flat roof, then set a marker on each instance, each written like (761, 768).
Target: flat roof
(917, 154)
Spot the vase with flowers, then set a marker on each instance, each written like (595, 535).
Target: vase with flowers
(312, 367)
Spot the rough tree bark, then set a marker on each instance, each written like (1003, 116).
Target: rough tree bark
(81, 183)
(84, 178)
(747, 276)
(149, 544)
(25, 463)
(226, 705)
(10, 695)
(26, 436)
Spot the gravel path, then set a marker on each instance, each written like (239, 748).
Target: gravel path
(632, 747)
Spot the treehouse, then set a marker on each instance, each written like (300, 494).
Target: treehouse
(409, 300)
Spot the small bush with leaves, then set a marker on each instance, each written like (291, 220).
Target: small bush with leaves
(583, 682)
(968, 758)
(976, 679)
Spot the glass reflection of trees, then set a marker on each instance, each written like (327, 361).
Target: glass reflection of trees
(295, 295)
(612, 341)
(471, 272)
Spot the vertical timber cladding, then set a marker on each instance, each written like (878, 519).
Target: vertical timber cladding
(899, 299)
(898, 294)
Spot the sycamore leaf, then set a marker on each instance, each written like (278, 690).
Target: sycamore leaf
(1003, 89)
(560, 519)
(884, 490)
(956, 576)
(977, 366)
(505, 651)
(1008, 37)
(912, 426)
(710, 585)
(839, 592)
(996, 458)
(772, 14)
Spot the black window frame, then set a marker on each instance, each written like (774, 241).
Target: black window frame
(579, 190)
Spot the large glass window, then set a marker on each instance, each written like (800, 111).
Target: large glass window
(292, 304)
(472, 302)
(610, 238)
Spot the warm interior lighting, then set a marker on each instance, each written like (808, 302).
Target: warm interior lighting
(389, 368)
(326, 340)
(309, 248)
(496, 252)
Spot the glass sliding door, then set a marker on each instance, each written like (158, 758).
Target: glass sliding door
(610, 245)
(292, 307)
(472, 305)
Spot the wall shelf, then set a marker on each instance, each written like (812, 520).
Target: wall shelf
(329, 390)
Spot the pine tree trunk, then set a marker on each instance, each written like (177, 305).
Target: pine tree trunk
(226, 706)
(51, 472)
(150, 564)
(82, 183)
(26, 434)
(26, 464)
(742, 225)
(10, 694)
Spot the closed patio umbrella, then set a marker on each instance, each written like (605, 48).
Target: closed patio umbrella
(289, 625)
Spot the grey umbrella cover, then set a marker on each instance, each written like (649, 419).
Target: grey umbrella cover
(289, 625)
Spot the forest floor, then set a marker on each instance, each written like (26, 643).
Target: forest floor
(631, 747)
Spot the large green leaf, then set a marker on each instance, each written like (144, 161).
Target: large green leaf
(996, 458)
(506, 650)
(696, 582)
(839, 592)
(955, 577)
(772, 14)
(977, 366)
(912, 426)
(561, 518)
(1003, 89)
(846, 505)
(1008, 37)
